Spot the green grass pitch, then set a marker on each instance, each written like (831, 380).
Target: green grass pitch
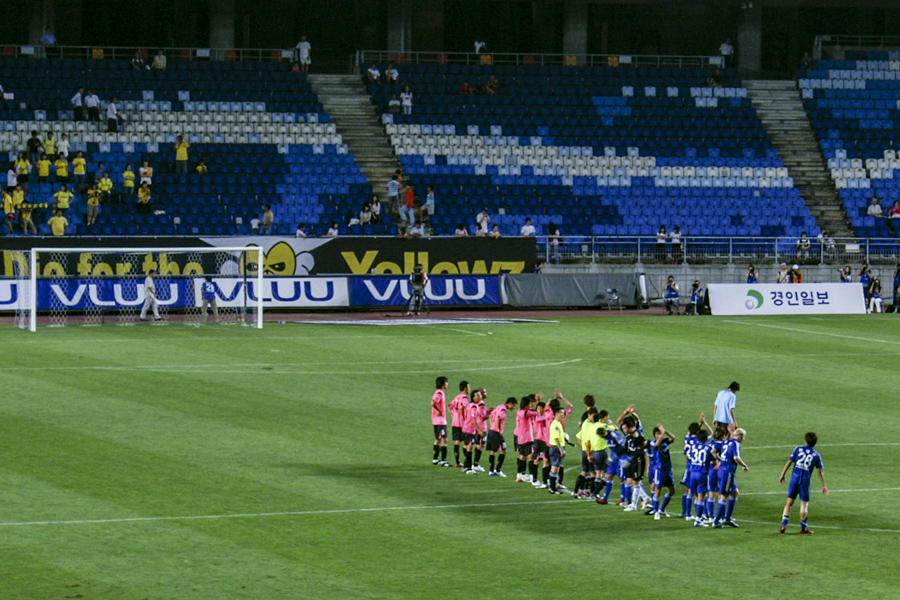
(174, 462)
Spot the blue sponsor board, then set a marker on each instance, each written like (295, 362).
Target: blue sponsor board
(441, 290)
(83, 294)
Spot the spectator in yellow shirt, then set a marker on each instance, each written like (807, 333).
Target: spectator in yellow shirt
(58, 224)
(79, 168)
(22, 167)
(50, 144)
(105, 185)
(44, 168)
(62, 169)
(25, 218)
(128, 180)
(6, 203)
(93, 203)
(202, 169)
(18, 197)
(63, 197)
(181, 155)
(144, 199)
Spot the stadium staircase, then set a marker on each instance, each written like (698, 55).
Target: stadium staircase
(345, 99)
(780, 108)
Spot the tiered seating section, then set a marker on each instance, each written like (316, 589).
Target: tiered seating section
(603, 151)
(854, 106)
(258, 126)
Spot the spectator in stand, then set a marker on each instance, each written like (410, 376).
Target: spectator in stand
(847, 275)
(18, 197)
(137, 63)
(128, 181)
(12, 180)
(677, 254)
(417, 231)
(554, 239)
(63, 197)
(495, 232)
(333, 231)
(394, 106)
(426, 211)
(93, 203)
(62, 147)
(23, 167)
(479, 46)
(25, 219)
(181, 155)
(50, 145)
(268, 221)
(44, 168)
(826, 246)
(875, 299)
(159, 62)
(874, 209)
(406, 99)
(894, 213)
(62, 169)
(48, 42)
(492, 86)
(393, 193)
(715, 80)
(751, 275)
(803, 246)
(528, 229)
(726, 51)
(466, 89)
(661, 238)
(105, 185)
(483, 221)
(144, 199)
(408, 207)
(58, 224)
(79, 168)
(112, 116)
(146, 173)
(806, 62)
(391, 74)
(201, 169)
(101, 169)
(303, 54)
(295, 68)
(365, 215)
(461, 231)
(35, 147)
(78, 104)
(373, 74)
(301, 230)
(376, 210)
(92, 103)
(254, 225)
(6, 204)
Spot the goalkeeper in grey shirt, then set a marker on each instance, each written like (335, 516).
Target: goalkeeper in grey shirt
(150, 297)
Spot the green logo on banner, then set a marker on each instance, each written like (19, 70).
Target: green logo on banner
(754, 301)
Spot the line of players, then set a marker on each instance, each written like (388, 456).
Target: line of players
(609, 449)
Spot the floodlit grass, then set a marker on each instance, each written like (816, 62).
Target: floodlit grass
(174, 462)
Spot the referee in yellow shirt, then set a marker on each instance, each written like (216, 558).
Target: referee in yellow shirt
(557, 450)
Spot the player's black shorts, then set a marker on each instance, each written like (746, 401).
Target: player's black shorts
(495, 441)
(540, 449)
(470, 438)
(458, 435)
(525, 449)
(586, 465)
(440, 432)
(637, 467)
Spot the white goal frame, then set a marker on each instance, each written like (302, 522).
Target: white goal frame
(33, 270)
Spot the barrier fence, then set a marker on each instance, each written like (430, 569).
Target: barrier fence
(364, 58)
(147, 53)
(717, 250)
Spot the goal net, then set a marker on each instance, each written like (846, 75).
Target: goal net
(126, 286)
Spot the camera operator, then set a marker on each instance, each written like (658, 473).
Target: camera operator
(417, 282)
(696, 299)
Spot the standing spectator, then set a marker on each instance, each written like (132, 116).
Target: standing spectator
(806, 62)
(393, 193)
(50, 145)
(376, 210)
(137, 63)
(677, 254)
(12, 178)
(78, 102)
(373, 74)
(826, 246)
(35, 147)
(79, 168)
(865, 278)
(847, 275)
(426, 211)
(159, 62)
(58, 223)
(483, 221)
(44, 168)
(105, 185)
(92, 103)
(128, 181)
(528, 229)
(406, 99)
(48, 41)
(333, 230)
(554, 239)
(803, 246)
(146, 173)
(93, 203)
(479, 46)
(144, 198)
(391, 74)
(492, 86)
(407, 210)
(726, 50)
(25, 218)
(101, 169)
(181, 155)
(661, 238)
(303, 56)
(63, 198)
(62, 169)
(268, 220)
(254, 224)
(112, 116)
(784, 275)
(23, 167)
(8, 207)
(62, 147)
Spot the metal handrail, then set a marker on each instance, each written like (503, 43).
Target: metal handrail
(127, 52)
(367, 57)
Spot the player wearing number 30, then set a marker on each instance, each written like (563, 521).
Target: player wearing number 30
(439, 422)
(804, 459)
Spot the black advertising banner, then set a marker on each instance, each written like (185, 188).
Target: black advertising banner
(284, 256)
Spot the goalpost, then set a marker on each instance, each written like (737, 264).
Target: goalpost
(94, 286)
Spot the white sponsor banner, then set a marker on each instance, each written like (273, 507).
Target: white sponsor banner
(786, 299)
(11, 294)
(293, 292)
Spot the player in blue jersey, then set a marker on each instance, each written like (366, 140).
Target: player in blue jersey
(615, 440)
(689, 439)
(729, 459)
(662, 474)
(804, 459)
(712, 497)
(699, 470)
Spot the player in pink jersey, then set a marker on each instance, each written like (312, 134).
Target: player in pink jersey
(439, 421)
(524, 436)
(457, 409)
(495, 441)
(481, 415)
(470, 430)
(541, 441)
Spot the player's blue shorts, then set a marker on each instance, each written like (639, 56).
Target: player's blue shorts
(726, 483)
(556, 457)
(713, 480)
(698, 482)
(598, 460)
(612, 468)
(799, 487)
(663, 479)
(686, 478)
(653, 473)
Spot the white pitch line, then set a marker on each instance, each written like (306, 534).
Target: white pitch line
(823, 445)
(872, 529)
(838, 335)
(460, 330)
(859, 491)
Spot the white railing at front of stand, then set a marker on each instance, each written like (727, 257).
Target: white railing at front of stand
(127, 53)
(364, 58)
